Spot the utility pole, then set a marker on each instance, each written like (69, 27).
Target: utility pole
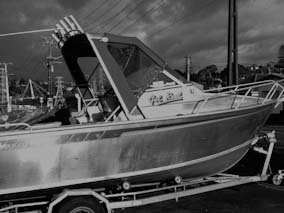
(5, 85)
(50, 62)
(230, 32)
(188, 67)
(232, 60)
(235, 46)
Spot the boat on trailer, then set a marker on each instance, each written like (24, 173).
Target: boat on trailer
(144, 124)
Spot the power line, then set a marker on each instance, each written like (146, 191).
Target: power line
(110, 19)
(182, 18)
(103, 15)
(96, 9)
(135, 8)
(155, 7)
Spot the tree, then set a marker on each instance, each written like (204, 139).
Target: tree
(245, 75)
(281, 57)
(206, 76)
(23, 81)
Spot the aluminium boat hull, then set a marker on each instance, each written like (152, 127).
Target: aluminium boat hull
(102, 155)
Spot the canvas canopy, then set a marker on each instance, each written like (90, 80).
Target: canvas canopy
(128, 65)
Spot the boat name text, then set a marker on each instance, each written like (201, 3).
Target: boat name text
(159, 99)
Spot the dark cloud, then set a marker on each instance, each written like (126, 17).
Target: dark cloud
(27, 52)
(173, 29)
(202, 31)
(74, 5)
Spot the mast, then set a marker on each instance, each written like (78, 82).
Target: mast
(2, 83)
(32, 89)
(188, 67)
(59, 93)
(50, 62)
(5, 86)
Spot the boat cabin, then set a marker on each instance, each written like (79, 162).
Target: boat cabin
(118, 75)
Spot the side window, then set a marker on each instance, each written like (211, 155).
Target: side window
(121, 53)
(94, 75)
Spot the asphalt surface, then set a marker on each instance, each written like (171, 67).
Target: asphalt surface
(259, 197)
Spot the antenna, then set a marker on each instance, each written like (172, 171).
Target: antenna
(50, 62)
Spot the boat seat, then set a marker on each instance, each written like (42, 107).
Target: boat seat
(109, 103)
(95, 114)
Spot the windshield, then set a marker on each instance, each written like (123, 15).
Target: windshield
(138, 68)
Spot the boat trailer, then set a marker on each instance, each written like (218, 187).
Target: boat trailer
(127, 195)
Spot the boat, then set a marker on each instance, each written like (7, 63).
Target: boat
(133, 129)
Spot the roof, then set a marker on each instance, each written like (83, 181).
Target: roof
(271, 76)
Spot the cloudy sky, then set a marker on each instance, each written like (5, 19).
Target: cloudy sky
(173, 28)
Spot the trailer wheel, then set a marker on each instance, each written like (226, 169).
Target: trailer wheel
(81, 205)
(277, 180)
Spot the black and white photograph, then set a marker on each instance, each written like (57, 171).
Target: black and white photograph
(137, 106)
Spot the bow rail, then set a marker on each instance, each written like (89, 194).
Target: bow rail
(244, 93)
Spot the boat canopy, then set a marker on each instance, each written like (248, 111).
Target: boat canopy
(124, 64)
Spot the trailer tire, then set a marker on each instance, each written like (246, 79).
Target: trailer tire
(277, 180)
(81, 205)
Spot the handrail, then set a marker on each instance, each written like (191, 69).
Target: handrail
(269, 93)
(202, 104)
(7, 125)
(241, 85)
(205, 100)
(242, 89)
(279, 96)
(273, 92)
(112, 114)
(243, 98)
(17, 206)
(249, 87)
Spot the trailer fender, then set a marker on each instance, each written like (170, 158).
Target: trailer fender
(78, 193)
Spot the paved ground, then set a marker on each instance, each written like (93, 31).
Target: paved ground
(249, 198)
